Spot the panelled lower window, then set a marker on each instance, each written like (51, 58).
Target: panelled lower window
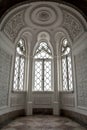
(66, 60)
(43, 68)
(19, 68)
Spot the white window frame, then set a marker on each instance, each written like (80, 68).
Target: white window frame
(52, 70)
(24, 57)
(63, 57)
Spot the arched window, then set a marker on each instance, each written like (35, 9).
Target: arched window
(43, 68)
(67, 80)
(19, 69)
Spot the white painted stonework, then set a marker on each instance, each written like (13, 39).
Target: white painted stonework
(29, 21)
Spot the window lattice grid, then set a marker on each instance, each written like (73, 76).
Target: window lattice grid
(47, 76)
(65, 49)
(21, 74)
(18, 83)
(64, 74)
(16, 74)
(20, 49)
(43, 46)
(70, 73)
(42, 55)
(42, 77)
(43, 51)
(67, 80)
(38, 76)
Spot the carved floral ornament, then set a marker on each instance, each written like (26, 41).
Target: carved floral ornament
(72, 24)
(43, 15)
(14, 25)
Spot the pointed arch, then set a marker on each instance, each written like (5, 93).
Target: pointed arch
(43, 58)
(64, 51)
(19, 65)
(22, 50)
(66, 62)
(43, 37)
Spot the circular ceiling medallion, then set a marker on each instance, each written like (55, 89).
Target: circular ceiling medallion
(43, 15)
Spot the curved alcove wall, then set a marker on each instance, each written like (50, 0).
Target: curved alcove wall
(58, 20)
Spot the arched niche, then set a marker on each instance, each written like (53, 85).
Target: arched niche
(43, 37)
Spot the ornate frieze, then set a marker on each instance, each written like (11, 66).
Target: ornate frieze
(48, 16)
(72, 25)
(14, 25)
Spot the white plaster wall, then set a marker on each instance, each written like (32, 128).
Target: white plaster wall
(22, 19)
(77, 100)
(9, 101)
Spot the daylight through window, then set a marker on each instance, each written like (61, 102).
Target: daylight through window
(18, 83)
(43, 68)
(67, 81)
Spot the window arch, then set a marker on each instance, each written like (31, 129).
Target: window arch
(66, 61)
(43, 68)
(19, 68)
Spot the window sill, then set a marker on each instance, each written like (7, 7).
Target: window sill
(67, 92)
(43, 92)
(19, 92)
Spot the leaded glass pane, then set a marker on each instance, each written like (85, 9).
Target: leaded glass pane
(42, 55)
(64, 74)
(43, 51)
(43, 68)
(65, 47)
(16, 74)
(67, 51)
(43, 46)
(66, 66)
(21, 47)
(70, 73)
(21, 75)
(65, 42)
(18, 83)
(38, 76)
(47, 76)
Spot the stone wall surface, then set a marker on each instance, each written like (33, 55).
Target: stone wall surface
(81, 76)
(5, 66)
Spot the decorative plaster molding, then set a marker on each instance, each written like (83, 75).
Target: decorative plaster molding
(18, 100)
(14, 25)
(67, 100)
(43, 36)
(72, 25)
(39, 16)
(43, 15)
(59, 36)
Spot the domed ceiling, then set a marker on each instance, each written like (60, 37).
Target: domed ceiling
(6, 4)
(48, 16)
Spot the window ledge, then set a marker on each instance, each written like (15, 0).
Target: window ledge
(43, 92)
(19, 92)
(67, 92)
